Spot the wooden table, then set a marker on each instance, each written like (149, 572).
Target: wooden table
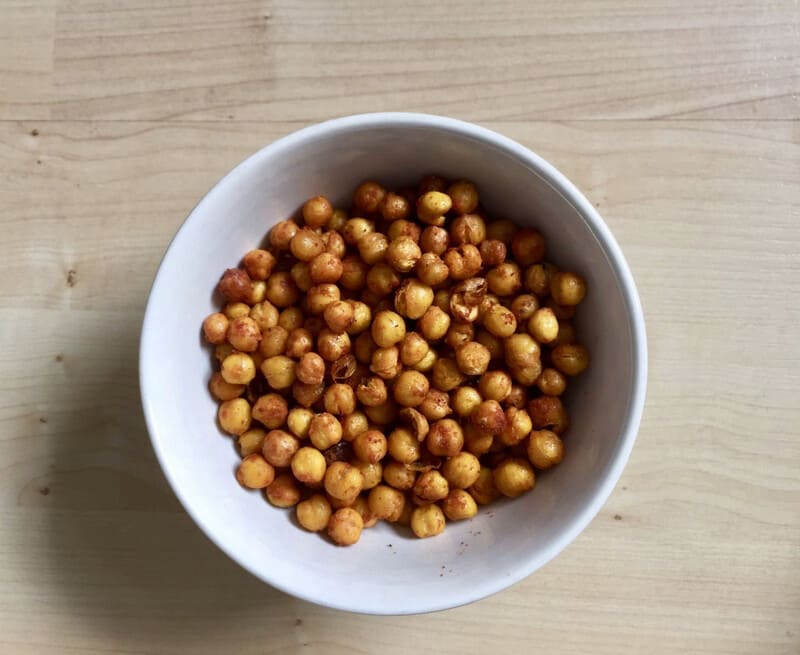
(679, 120)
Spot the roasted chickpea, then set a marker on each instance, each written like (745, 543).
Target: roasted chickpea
(314, 513)
(325, 268)
(434, 323)
(368, 196)
(505, 279)
(354, 273)
(434, 240)
(431, 270)
(364, 348)
(459, 505)
(441, 299)
(223, 390)
(317, 211)
(461, 471)
(388, 328)
(493, 252)
(307, 394)
(468, 228)
(320, 296)
(518, 397)
(403, 446)
(543, 325)
(362, 317)
(521, 351)
(340, 399)
(382, 414)
(372, 391)
(343, 481)
(259, 264)
(265, 314)
(464, 196)
(426, 363)
(235, 285)
(338, 219)
(412, 349)
(310, 369)
(335, 244)
(466, 400)
(279, 371)
(299, 342)
(234, 416)
(488, 417)
(545, 449)
(567, 288)
(362, 507)
(403, 228)
(308, 466)
(325, 431)
(518, 426)
(432, 207)
(345, 526)
(503, 230)
(473, 358)
(339, 316)
(570, 359)
(403, 254)
(223, 350)
(255, 472)
(524, 306)
(528, 247)
(527, 375)
(399, 476)
(284, 491)
(445, 438)
(271, 409)
(332, 346)
(548, 412)
(291, 318)
(372, 247)
(429, 487)
(251, 441)
(500, 321)
(537, 278)
(463, 262)
(279, 447)
(394, 207)
(273, 341)
(513, 477)
(258, 292)
(353, 425)
(299, 420)
(413, 298)
(386, 503)
(477, 442)
(446, 375)
(492, 343)
(551, 382)
(372, 472)
(484, 490)
(466, 299)
(282, 233)
(427, 521)
(238, 368)
(495, 385)
(306, 244)
(382, 279)
(370, 446)
(436, 405)
(215, 328)
(357, 228)
(281, 289)
(411, 388)
(385, 362)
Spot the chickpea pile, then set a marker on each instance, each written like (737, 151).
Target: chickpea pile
(404, 361)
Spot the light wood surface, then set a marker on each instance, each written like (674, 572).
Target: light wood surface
(678, 119)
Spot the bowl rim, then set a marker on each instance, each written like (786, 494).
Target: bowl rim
(570, 193)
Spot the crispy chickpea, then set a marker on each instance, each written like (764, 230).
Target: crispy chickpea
(434, 323)
(403, 254)
(334, 245)
(325, 268)
(548, 412)
(251, 441)
(259, 264)
(234, 416)
(545, 449)
(436, 405)
(446, 375)
(273, 341)
(432, 207)
(472, 358)
(255, 472)
(279, 371)
(394, 207)
(518, 426)
(314, 513)
(434, 240)
(518, 397)
(382, 414)
(279, 447)
(382, 279)
(271, 409)
(282, 233)
(310, 369)
(426, 363)
(238, 368)
(299, 421)
(235, 285)
(466, 299)
(339, 399)
(265, 314)
(284, 491)
(543, 325)
(362, 507)
(306, 244)
(291, 318)
(339, 316)
(412, 349)
(243, 334)
(345, 526)
(413, 298)
(399, 476)
(357, 228)
(307, 394)
(343, 481)
(386, 503)
(492, 343)
(477, 442)
(281, 289)
(362, 317)
(432, 270)
(338, 220)
(484, 490)
(489, 417)
(411, 388)
(513, 477)
(567, 288)
(459, 505)
(258, 292)
(368, 196)
(537, 278)
(489, 301)
(524, 306)
(427, 521)
(521, 351)
(500, 321)
(325, 431)
(215, 328)
(504, 280)
(466, 400)
(495, 385)
(372, 247)
(468, 228)
(570, 359)
(364, 348)
(317, 211)
(551, 382)
(429, 487)
(354, 273)
(528, 247)
(403, 228)
(403, 446)
(372, 472)
(299, 342)
(463, 262)
(320, 296)
(332, 346)
(464, 195)
(527, 375)
(445, 438)
(308, 466)
(461, 471)
(493, 252)
(385, 363)
(353, 425)
(388, 328)
(223, 390)
(503, 230)
(441, 299)
(370, 446)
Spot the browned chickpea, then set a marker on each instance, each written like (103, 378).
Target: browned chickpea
(504, 280)
(432, 270)
(434, 323)
(259, 264)
(427, 521)
(339, 316)
(545, 449)
(445, 438)
(314, 513)
(354, 273)
(426, 363)
(345, 526)
(372, 247)
(255, 472)
(382, 279)
(429, 487)
(382, 414)
(301, 275)
(298, 421)
(473, 358)
(291, 318)
(567, 288)
(466, 400)
(353, 425)
(570, 359)
(521, 351)
(325, 431)
(489, 301)
(403, 446)
(492, 343)
(371, 391)
(320, 296)
(489, 417)
(476, 442)
(356, 229)
(345, 370)
(493, 252)
(364, 348)
(362, 317)
(317, 211)
(459, 505)
(306, 244)
(468, 228)
(388, 328)
(403, 228)
(412, 349)
(273, 341)
(528, 247)
(463, 262)
(441, 299)
(281, 289)
(332, 346)
(543, 325)
(284, 491)
(411, 388)
(436, 405)
(503, 230)
(215, 328)
(484, 490)
(233, 310)
(461, 471)
(343, 481)
(307, 394)
(338, 220)
(238, 368)
(434, 240)
(271, 409)
(527, 375)
(500, 321)
(372, 472)
(370, 446)
(403, 254)
(279, 371)
(524, 306)
(548, 412)
(413, 298)
(518, 397)
(251, 441)
(399, 476)
(325, 267)
(518, 426)
(368, 196)
(513, 477)
(340, 399)
(279, 447)
(386, 503)
(495, 385)
(394, 207)
(385, 362)
(551, 382)
(282, 233)
(334, 244)
(265, 314)
(258, 292)
(235, 285)
(432, 207)
(299, 342)
(446, 374)
(537, 278)
(223, 390)
(464, 195)
(234, 416)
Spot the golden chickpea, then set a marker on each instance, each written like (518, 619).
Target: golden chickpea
(528, 247)
(306, 244)
(413, 298)
(258, 292)
(446, 375)
(459, 334)
(345, 526)
(234, 310)
(441, 299)
(339, 316)
(463, 262)
(432, 207)
(382, 279)
(385, 363)
(282, 233)
(368, 196)
(548, 412)
(332, 346)
(279, 447)
(518, 397)
(255, 472)
(320, 296)
(362, 317)
(545, 449)
(335, 244)
(243, 334)
(432, 270)
(477, 442)
(543, 325)
(338, 504)
(505, 279)
(325, 431)
(308, 466)
(372, 472)
(281, 289)
(500, 321)
(388, 328)
(299, 342)
(382, 414)
(291, 318)
(484, 490)
(513, 477)
(394, 207)
(473, 358)
(386, 503)
(521, 351)
(466, 400)
(570, 359)
(527, 375)
(299, 421)
(314, 513)
(215, 328)
(429, 487)
(412, 349)
(459, 505)
(338, 220)
(403, 254)
(251, 441)
(551, 382)
(403, 446)
(234, 416)
(427, 521)
(461, 471)
(354, 273)
(468, 228)
(265, 314)
(317, 211)
(307, 394)
(492, 343)
(464, 195)
(489, 417)
(279, 371)
(372, 247)
(436, 405)
(370, 446)
(434, 323)
(524, 306)
(434, 240)
(357, 228)
(284, 491)
(411, 388)
(364, 348)
(371, 391)
(259, 264)
(493, 252)
(273, 341)
(489, 301)
(353, 425)
(503, 230)
(567, 288)
(340, 399)
(271, 409)
(223, 390)
(403, 228)
(238, 368)
(495, 385)
(518, 426)
(325, 268)
(235, 285)
(343, 481)
(361, 506)
(399, 476)
(537, 278)
(445, 438)
(426, 363)
(310, 369)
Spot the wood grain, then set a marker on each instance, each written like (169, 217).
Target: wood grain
(115, 119)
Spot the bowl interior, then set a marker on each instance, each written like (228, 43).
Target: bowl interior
(388, 571)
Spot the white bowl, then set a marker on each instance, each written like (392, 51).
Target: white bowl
(388, 572)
